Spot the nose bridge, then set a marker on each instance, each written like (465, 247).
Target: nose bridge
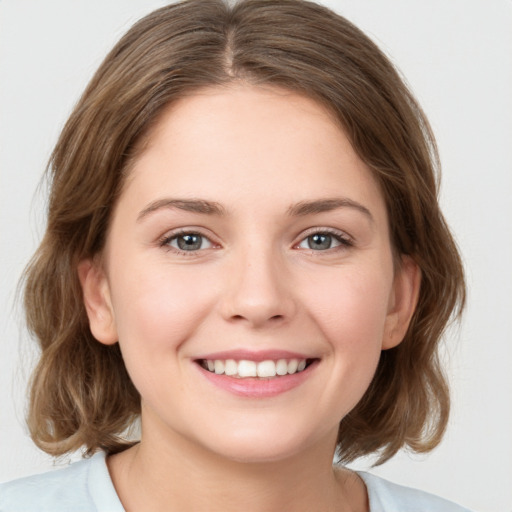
(258, 286)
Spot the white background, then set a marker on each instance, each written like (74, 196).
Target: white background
(456, 55)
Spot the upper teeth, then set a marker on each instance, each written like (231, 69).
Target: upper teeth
(246, 368)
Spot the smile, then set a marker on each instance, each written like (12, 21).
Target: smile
(246, 368)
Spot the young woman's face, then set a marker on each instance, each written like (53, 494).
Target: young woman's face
(249, 241)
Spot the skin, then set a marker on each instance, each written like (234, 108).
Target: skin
(254, 284)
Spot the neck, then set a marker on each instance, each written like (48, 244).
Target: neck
(180, 476)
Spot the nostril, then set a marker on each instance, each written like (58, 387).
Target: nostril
(272, 318)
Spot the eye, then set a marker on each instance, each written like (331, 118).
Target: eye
(323, 241)
(187, 242)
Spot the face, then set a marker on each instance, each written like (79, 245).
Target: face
(248, 275)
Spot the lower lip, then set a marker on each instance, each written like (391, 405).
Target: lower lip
(251, 387)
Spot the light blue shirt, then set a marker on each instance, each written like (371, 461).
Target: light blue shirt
(86, 486)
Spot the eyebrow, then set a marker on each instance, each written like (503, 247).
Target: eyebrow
(188, 205)
(300, 209)
(326, 205)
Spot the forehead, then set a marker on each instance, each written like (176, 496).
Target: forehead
(240, 108)
(242, 143)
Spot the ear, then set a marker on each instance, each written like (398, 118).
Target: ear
(96, 294)
(403, 300)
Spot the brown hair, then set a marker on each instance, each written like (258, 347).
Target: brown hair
(81, 395)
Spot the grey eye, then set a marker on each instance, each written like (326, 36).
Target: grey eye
(190, 242)
(321, 242)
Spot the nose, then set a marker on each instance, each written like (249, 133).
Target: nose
(258, 290)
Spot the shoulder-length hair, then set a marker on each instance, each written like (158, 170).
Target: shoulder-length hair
(81, 394)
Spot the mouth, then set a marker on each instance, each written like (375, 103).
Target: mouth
(246, 368)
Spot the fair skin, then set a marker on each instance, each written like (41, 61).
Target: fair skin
(248, 230)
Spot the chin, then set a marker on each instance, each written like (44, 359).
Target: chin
(263, 445)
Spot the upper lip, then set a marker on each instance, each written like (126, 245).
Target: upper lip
(254, 355)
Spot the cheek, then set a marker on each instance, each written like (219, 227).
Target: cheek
(351, 308)
(156, 311)
(158, 307)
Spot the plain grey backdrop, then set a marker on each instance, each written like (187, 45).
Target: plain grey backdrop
(457, 57)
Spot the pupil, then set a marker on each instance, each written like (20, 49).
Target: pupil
(319, 241)
(189, 242)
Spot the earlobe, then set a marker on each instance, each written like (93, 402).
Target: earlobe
(406, 289)
(96, 294)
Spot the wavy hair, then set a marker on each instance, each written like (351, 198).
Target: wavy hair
(81, 394)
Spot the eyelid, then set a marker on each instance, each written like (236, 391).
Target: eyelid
(345, 239)
(164, 240)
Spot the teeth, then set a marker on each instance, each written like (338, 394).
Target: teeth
(281, 367)
(246, 368)
(293, 365)
(230, 368)
(266, 369)
(219, 366)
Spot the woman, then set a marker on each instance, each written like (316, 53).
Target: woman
(239, 250)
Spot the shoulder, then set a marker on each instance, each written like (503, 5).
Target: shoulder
(84, 486)
(386, 496)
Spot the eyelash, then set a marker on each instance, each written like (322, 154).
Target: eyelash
(344, 240)
(166, 240)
